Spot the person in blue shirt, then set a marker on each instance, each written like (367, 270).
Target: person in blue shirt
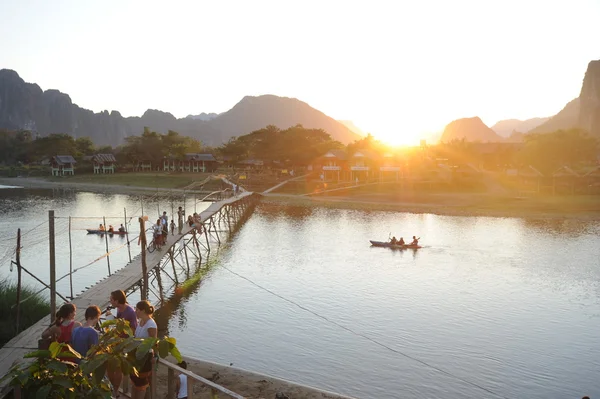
(82, 338)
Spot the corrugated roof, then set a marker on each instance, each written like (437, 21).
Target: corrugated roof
(530, 171)
(340, 154)
(565, 171)
(199, 157)
(102, 158)
(64, 159)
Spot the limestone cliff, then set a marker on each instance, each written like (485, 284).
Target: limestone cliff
(25, 106)
(470, 129)
(589, 100)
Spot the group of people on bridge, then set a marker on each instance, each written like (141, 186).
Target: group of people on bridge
(83, 337)
(160, 230)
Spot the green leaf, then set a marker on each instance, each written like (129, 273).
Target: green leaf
(175, 353)
(44, 353)
(57, 366)
(170, 340)
(113, 364)
(55, 348)
(63, 381)
(43, 392)
(90, 365)
(99, 373)
(145, 347)
(163, 348)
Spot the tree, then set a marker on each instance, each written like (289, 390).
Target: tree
(549, 151)
(85, 146)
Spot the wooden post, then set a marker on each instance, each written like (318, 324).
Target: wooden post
(52, 266)
(144, 290)
(171, 394)
(18, 255)
(153, 385)
(127, 233)
(190, 386)
(70, 261)
(171, 251)
(106, 241)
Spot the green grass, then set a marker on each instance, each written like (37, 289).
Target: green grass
(136, 179)
(32, 310)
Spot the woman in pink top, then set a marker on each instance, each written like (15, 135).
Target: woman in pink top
(63, 325)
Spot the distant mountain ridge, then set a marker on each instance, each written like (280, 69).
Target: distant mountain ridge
(350, 125)
(204, 116)
(509, 126)
(470, 129)
(25, 106)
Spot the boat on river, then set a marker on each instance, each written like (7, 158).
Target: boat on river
(386, 244)
(96, 231)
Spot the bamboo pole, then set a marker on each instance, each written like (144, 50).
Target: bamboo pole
(106, 241)
(70, 260)
(127, 233)
(52, 265)
(18, 261)
(144, 291)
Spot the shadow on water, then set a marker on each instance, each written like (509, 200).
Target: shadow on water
(181, 293)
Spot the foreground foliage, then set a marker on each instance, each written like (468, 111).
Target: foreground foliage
(32, 310)
(50, 377)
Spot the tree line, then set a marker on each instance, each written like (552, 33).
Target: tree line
(298, 146)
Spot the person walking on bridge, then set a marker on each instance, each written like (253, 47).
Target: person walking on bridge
(180, 215)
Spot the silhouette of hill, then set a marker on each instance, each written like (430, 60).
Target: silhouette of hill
(567, 118)
(470, 129)
(26, 106)
(506, 127)
(350, 125)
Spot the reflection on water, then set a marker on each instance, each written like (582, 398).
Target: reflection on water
(507, 304)
(28, 209)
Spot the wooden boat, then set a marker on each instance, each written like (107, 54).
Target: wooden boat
(96, 231)
(393, 246)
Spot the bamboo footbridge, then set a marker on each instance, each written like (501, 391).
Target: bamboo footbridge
(226, 214)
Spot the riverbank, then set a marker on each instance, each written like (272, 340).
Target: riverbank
(582, 207)
(456, 204)
(246, 383)
(124, 186)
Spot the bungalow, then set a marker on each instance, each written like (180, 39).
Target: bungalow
(104, 163)
(333, 164)
(565, 178)
(592, 180)
(143, 165)
(62, 165)
(390, 168)
(526, 179)
(362, 165)
(199, 163)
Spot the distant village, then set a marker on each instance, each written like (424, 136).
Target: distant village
(564, 162)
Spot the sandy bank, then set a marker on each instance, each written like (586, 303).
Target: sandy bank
(461, 204)
(250, 385)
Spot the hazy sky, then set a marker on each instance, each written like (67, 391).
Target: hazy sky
(395, 68)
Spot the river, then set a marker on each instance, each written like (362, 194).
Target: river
(490, 307)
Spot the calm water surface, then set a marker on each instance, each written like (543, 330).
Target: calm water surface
(508, 305)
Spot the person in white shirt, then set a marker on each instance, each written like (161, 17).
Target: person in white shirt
(181, 386)
(146, 329)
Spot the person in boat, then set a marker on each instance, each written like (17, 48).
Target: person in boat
(415, 241)
(393, 241)
(101, 228)
(401, 241)
(111, 229)
(121, 229)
